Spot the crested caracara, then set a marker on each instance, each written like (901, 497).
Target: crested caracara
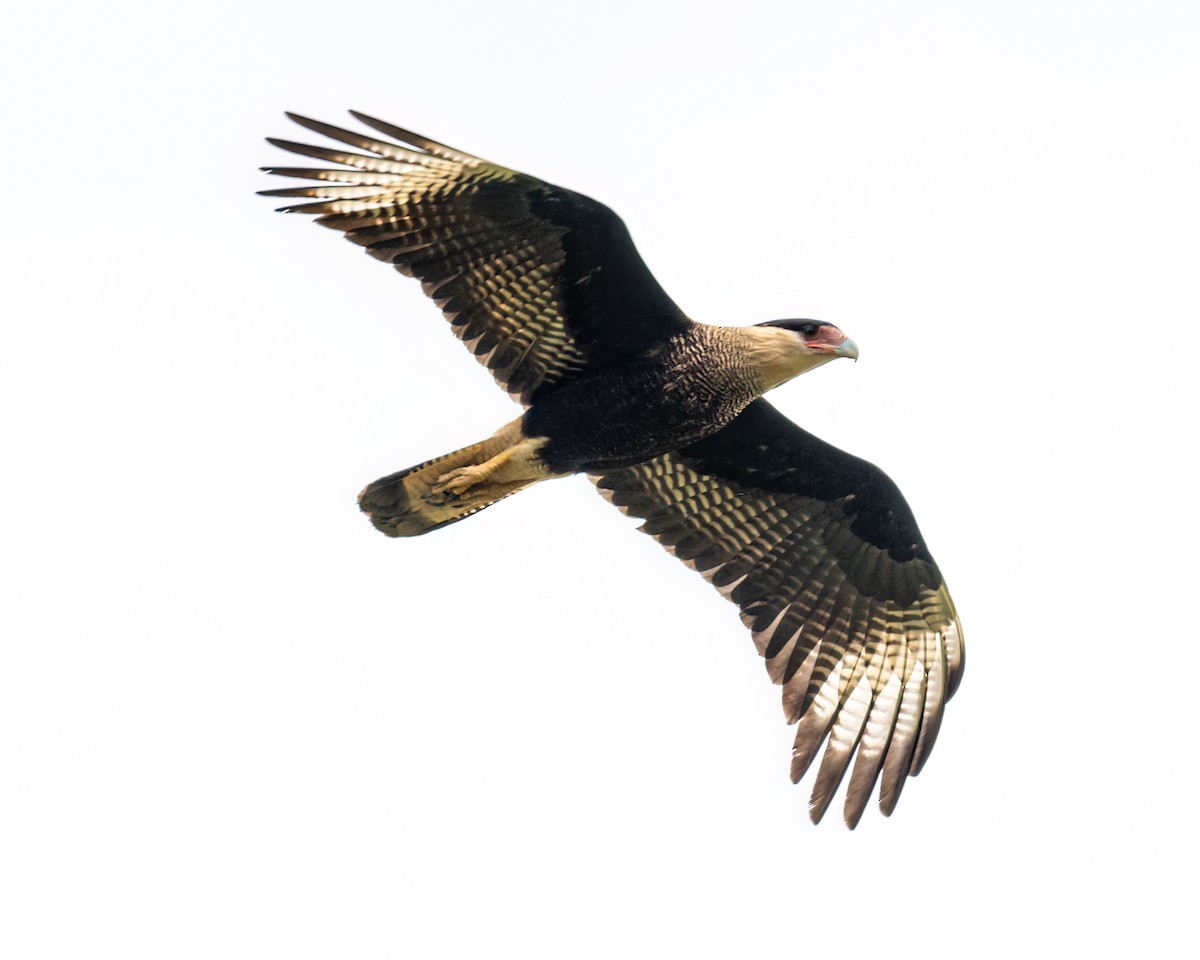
(665, 415)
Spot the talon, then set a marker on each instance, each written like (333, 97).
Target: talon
(457, 481)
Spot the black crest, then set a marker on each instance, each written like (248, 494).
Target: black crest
(806, 328)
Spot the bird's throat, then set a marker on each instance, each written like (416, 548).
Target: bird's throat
(775, 356)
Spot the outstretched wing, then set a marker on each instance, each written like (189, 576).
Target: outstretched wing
(541, 283)
(824, 558)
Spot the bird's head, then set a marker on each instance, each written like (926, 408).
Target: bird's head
(787, 348)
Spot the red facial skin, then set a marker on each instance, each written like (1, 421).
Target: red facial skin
(827, 339)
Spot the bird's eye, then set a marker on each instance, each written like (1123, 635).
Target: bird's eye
(809, 329)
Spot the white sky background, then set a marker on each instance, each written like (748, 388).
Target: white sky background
(237, 722)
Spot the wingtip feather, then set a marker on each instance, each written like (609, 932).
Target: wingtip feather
(843, 741)
(871, 750)
(899, 752)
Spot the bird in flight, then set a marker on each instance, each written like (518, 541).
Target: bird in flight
(817, 548)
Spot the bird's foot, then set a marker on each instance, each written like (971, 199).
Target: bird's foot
(450, 486)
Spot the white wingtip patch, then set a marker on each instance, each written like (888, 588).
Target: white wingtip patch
(871, 749)
(846, 730)
(935, 704)
(904, 739)
(815, 723)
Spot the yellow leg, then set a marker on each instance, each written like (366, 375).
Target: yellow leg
(518, 463)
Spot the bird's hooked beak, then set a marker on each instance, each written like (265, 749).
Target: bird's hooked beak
(847, 348)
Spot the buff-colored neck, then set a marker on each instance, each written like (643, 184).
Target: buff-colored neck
(776, 355)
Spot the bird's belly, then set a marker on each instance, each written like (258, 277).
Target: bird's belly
(593, 425)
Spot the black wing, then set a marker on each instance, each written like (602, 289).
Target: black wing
(823, 557)
(542, 284)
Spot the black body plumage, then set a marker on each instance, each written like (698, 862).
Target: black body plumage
(673, 394)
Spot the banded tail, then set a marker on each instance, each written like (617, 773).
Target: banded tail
(453, 486)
